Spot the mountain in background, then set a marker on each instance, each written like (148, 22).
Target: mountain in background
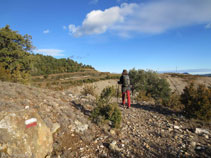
(207, 75)
(190, 71)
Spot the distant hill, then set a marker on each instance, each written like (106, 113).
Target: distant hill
(207, 75)
(17, 63)
(179, 81)
(44, 65)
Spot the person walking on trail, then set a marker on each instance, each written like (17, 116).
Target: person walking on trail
(125, 82)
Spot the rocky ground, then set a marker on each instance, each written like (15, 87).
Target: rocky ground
(146, 130)
(153, 131)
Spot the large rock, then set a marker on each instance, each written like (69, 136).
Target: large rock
(20, 139)
(201, 131)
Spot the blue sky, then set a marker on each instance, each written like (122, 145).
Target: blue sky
(112, 35)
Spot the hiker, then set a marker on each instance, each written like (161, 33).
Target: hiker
(125, 82)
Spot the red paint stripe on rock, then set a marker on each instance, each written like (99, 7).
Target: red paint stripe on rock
(31, 124)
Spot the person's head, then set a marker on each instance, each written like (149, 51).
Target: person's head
(124, 72)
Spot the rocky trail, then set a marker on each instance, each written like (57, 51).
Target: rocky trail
(153, 131)
(157, 132)
(64, 129)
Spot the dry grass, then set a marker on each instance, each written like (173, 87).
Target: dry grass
(65, 80)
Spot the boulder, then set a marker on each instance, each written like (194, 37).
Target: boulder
(23, 134)
(78, 127)
(113, 146)
(201, 131)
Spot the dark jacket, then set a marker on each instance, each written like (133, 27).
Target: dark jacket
(125, 82)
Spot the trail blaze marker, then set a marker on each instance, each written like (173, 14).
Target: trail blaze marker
(31, 122)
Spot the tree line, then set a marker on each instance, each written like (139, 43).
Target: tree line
(18, 63)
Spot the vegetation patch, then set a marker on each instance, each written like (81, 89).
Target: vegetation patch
(106, 111)
(174, 102)
(88, 90)
(149, 85)
(15, 58)
(18, 63)
(142, 96)
(197, 102)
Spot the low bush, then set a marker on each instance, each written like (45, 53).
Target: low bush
(103, 113)
(107, 93)
(151, 84)
(197, 102)
(88, 90)
(142, 96)
(174, 102)
(106, 111)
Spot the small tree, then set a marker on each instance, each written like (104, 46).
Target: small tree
(105, 110)
(107, 94)
(149, 83)
(197, 102)
(137, 79)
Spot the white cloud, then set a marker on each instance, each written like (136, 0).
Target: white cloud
(72, 28)
(51, 52)
(46, 31)
(151, 17)
(208, 26)
(98, 21)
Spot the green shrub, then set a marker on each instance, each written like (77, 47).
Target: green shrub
(174, 102)
(107, 93)
(142, 96)
(4, 74)
(197, 102)
(151, 84)
(137, 80)
(88, 89)
(106, 111)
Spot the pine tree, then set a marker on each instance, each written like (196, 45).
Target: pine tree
(14, 55)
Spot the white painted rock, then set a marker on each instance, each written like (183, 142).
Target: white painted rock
(24, 134)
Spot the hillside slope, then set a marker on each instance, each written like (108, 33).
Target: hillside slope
(179, 81)
(146, 130)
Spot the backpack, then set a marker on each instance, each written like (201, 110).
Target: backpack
(126, 81)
